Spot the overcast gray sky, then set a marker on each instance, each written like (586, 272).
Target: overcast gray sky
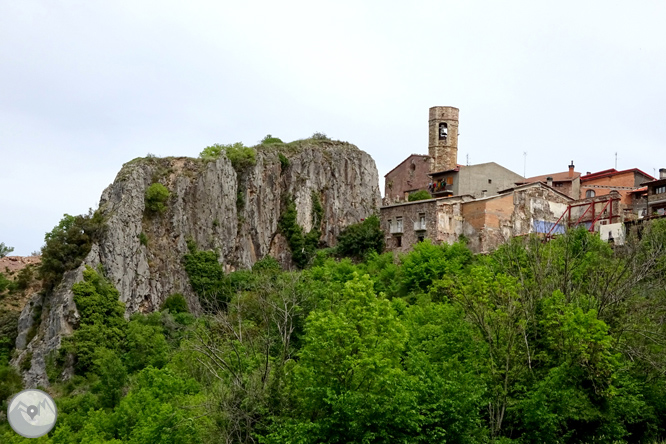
(86, 86)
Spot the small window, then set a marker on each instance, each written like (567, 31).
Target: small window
(660, 190)
(443, 131)
(421, 238)
(398, 241)
(398, 223)
(390, 225)
(413, 167)
(490, 181)
(590, 193)
(449, 180)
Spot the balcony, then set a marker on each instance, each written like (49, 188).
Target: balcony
(420, 225)
(396, 229)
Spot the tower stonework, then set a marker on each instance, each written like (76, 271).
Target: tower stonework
(443, 138)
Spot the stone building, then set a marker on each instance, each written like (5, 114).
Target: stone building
(485, 222)
(481, 180)
(438, 172)
(656, 195)
(409, 176)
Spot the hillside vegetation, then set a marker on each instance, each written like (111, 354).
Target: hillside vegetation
(559, 342)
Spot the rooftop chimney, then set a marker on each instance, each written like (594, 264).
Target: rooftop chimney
(662, 173)
(571, 169)
(549, 181)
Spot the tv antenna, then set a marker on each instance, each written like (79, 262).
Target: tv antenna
(616, 160)
(525, 164)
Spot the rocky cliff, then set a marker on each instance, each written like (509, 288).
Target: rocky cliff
(210, 202)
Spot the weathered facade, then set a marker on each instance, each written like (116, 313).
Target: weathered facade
(486, 223)
(411, 175)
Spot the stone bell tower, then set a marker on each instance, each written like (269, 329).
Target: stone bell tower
(443, 138)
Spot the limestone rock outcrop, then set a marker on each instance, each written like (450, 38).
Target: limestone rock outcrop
(233, 212)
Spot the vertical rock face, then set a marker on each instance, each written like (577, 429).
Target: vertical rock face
(233, 212)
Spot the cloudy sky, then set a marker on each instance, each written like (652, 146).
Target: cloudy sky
(86, 86)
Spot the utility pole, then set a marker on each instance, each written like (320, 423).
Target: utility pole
(467, 159)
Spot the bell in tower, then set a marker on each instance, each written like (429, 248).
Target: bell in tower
(443, 138)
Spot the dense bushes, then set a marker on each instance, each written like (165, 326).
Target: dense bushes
(206, 276)
(68, 244)
(360, 239)
(303, 246)
(419, 195)
(156, 197)
(270, 140)
(241, 156)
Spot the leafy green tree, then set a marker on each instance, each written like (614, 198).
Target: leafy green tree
(419, 195)
(5, 250)
(361, 239)
(206, 276)
(68, 244)
(428, 262)
(102, 322)
(175, 303)
(446, 359)
(348, 385)
(145, 345)
(112, 374)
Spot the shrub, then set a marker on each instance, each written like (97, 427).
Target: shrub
(175, 303)
(206, 275)
(267, 265)
(357, 240)
(4, 283)
(212, 152)
(143, 239)
(302, 246)
(102, 322)
(68, 244)
(241, 156)
(156, 197)
(319, 136)
(284, 162)
(419, 195)
(268, 140)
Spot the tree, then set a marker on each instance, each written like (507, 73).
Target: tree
(361, 239)
(5, 250)
(348, 384)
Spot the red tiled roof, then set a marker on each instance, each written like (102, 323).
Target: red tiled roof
(557, 177)
(613, 172)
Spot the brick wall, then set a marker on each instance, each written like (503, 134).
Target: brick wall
(410, 175)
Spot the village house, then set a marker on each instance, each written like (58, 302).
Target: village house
(656, 195)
